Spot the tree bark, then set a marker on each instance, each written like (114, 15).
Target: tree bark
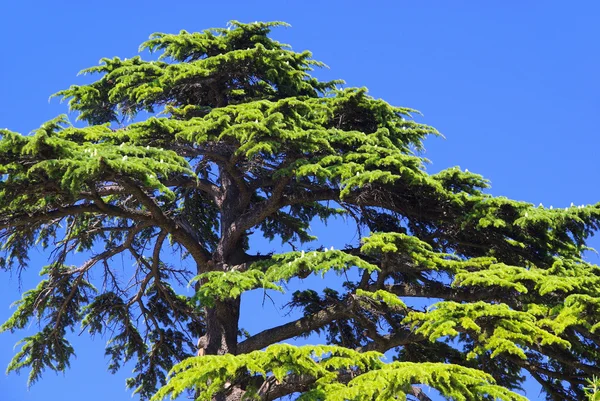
(222, 327)
(222, 319)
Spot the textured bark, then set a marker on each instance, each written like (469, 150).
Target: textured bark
(222, 319)
(222, 327)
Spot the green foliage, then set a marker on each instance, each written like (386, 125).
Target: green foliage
(505, 330)
(394, 381)
(48, 348)
(255, 66)
(593, 390)
(227, 285)
(279, 268)
(383, 296)
(243, 140)
(320, 368)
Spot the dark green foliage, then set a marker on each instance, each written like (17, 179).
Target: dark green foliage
(57, 301)
(243, 139)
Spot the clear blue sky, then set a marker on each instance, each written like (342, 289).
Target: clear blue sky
(512, 85)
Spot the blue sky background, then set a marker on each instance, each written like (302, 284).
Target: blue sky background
(512, 85)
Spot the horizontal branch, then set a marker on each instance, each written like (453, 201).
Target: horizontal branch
(441, 291)
(387, 342)
(296, 328)
(18, 220)
(203, 185)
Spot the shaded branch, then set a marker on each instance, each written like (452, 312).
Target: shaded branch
(203, 185)
(178, 231)
(434, 289)
(92, 261)
(297, 327)
(387, 342)
(60, 212)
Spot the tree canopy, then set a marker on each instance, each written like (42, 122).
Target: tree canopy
(228, 135)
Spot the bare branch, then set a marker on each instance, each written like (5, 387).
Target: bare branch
(178, 231)
(83, 269)
(297, 327)
(272, 388)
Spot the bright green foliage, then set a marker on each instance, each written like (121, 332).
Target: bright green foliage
(593, 390)
(279, 268)
(509, 330)
(382, 296)
(321, 367)
(241, 140)
(394, 380)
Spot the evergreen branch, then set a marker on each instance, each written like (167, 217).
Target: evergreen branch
(227, 163)
(8, 222)
(441, 291)
(369, 378)
(272, 389)
(260, 211)
(256, 214)
(153, 268)
(155, 273)
(555, 392)
(203, 185)
(387, 342)
(549, 383)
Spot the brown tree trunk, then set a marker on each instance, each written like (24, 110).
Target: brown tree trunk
(222, 327)
(222, 319)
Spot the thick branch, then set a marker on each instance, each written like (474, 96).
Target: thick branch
(387, 342)
(261, 210)
(178, 231)
(298, 327)
(203, 185)
(272, 388)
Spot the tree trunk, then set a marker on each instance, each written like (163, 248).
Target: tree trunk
(222, 319)
(222, 327)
